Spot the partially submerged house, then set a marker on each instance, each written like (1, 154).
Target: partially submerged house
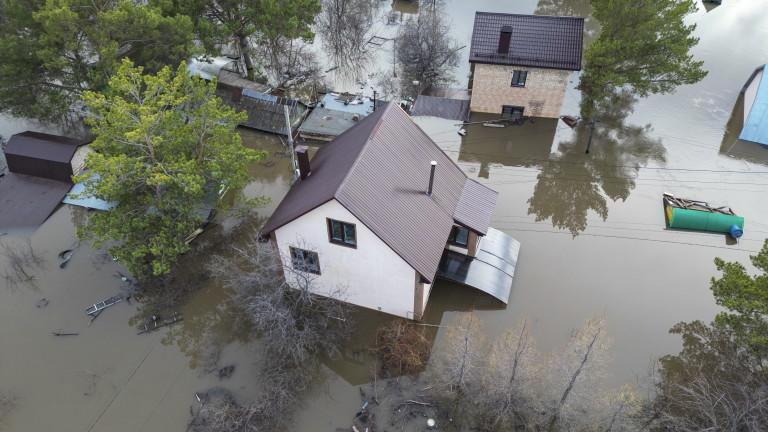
(746, 133)
(381, 213)
(755, 93)
(521, 64)
(40, 169)
(266, 112)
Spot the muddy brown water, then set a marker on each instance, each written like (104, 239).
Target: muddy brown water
(591, 228)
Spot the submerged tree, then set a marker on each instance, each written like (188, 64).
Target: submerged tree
(163, 143)
(572, 184)
(643, 45)
(344, 27)
(52, 51)
(426, 54)
(719, 380)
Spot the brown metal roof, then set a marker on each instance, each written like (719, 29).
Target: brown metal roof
(475, 206)
(27, 201)
(379, 170)
(43, 146)
(537, 41)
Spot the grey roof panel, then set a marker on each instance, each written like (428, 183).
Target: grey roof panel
(475, 206)
(379, 170)
(491, 271)
(451, 109)
(537, 41)
(328, 122)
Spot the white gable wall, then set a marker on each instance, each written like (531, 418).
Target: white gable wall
(371, 275)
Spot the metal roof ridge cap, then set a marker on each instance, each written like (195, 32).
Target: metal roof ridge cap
(529, 15)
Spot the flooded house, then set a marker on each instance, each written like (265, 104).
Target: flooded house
(266, 112)
(746, 133)
(40, 169)
(381, 213)
(521, 64)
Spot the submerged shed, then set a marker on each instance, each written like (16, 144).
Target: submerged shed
(43, 155)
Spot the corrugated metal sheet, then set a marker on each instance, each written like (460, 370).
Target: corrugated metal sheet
(327, 123)
(475, 207)
(451, 109)
(537, 41)
(379, 170)
(491, 271)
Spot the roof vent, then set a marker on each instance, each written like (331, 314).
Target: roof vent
(432, 164)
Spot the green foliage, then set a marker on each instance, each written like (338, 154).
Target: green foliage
(53, 50)
(163, 143)
(745, 298)
(643, 45)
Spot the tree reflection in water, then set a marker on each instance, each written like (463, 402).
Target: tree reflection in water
(573, 183)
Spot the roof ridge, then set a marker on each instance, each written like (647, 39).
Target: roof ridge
(530, 15)
(373, 133)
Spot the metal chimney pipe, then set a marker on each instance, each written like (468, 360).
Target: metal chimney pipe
(433, 164)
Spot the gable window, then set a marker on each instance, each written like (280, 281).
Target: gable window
(342, 233)
(459, 236)
(519, 78)
(305, 261)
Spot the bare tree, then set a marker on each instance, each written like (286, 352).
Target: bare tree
(287, 62)
(402, 348)
(344, 27)
(7, 403)
(426, 54)
(21, 262)
(296, 326)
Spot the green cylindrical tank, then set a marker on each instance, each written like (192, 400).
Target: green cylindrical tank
(702, 220)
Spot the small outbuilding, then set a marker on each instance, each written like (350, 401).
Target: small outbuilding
(42, 155)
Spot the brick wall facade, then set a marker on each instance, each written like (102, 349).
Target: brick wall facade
(542, 95)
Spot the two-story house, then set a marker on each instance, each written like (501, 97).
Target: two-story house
(520, 64)
(381, 212)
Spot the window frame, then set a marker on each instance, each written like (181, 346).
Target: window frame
(305, 268)
(343, 241)
(517, 82)
(452, 237)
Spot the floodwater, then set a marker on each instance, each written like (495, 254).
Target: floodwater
(591, 228)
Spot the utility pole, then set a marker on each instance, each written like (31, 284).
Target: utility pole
(287, 112)
(591, 132)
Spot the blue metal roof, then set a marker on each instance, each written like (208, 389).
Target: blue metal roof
(756, 127)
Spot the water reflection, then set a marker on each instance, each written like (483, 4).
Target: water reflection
(573, 183)
(344, 27)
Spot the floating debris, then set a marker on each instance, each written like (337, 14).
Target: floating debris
(64, 257)
(225, 372)
(571, 121)
(64, 333)
(155, 322)
(100, 306)
(43, 302)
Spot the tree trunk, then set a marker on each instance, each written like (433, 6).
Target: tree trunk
(244, 51)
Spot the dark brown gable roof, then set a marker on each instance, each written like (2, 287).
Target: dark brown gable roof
(475, 207)
(379, 171)
(537, 41)
(43, 146)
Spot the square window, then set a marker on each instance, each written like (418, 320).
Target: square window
(342, 233)
(519, 78)
(459, 236)
(305, 261)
